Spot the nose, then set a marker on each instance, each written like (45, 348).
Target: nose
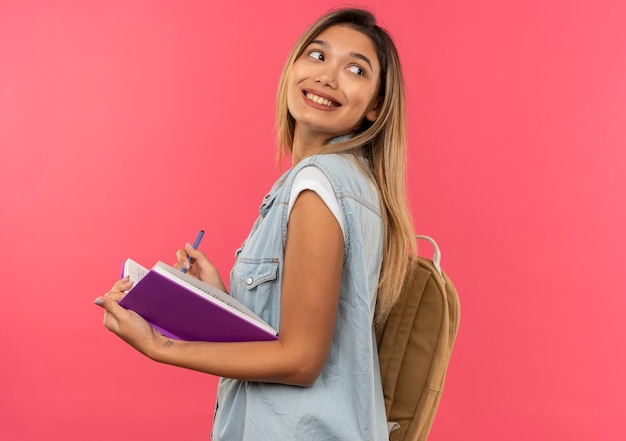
(327, 77)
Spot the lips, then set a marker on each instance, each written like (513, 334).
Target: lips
(321, 100)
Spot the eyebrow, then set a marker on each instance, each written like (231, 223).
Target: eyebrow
(352, 54)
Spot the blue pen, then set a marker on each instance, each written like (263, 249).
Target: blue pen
(195, 245)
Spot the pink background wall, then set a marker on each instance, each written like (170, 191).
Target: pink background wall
(126, 126)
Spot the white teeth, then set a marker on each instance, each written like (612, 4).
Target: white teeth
(319, 100)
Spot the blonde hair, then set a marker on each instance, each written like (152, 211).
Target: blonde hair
(381, 143)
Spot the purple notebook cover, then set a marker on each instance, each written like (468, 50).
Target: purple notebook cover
(184, 315)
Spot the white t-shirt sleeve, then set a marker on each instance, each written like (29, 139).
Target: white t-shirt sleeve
(312, 178)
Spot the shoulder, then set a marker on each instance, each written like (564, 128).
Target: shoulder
(338, 168)
(349, 178)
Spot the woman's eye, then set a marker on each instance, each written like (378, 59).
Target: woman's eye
(317, 55)
(357, 70)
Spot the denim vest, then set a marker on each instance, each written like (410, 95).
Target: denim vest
(346, 401)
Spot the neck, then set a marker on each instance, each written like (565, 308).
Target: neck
(306, 144)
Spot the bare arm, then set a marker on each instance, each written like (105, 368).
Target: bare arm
(310, 298)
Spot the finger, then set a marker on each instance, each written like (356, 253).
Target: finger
(181, 255)
(108, 303)
(110, 320)
(112, 308)
(182, 260)
(122, 285)
(116, 296)
(194, 253)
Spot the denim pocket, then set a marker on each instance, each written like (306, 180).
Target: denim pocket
(251, 272)
(255, 285)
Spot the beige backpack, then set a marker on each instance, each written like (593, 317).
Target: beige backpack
(414, 348)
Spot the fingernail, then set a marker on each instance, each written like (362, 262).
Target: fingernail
(188, 245)
(99, 301)
(186, 264)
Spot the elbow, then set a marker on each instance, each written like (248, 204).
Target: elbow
(303, 379)
(302, 362)
(305, 374)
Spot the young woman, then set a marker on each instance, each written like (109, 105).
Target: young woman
(326, 258)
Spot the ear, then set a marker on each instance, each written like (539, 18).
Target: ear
(372, 114)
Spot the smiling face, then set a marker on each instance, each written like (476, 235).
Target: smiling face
(333, 85)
